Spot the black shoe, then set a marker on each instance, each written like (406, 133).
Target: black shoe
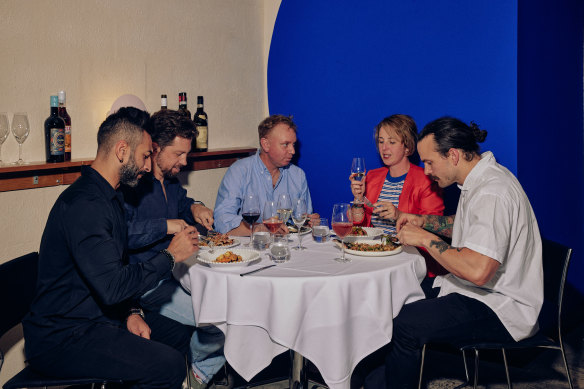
(223, 379)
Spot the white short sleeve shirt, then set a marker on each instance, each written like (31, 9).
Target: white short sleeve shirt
(494, 217)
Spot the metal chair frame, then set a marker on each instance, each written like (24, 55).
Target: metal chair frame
(539, 340)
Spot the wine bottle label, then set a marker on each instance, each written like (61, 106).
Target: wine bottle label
(202, 137)
(202, 116)
(67, 139)
(57, 146)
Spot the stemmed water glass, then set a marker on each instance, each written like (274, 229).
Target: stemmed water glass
(20, 130)
(284, 207)
(299, 215)
(250, 211)
(342, 223)
(4, 131)
(358, 171)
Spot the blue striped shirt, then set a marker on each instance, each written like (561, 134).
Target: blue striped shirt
(392, 188)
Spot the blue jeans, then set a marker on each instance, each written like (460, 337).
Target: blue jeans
(206, 346)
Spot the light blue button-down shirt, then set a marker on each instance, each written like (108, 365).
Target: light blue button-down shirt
(250, 175)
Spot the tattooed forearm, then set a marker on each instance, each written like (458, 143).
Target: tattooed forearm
(443, 246)
(441, 225)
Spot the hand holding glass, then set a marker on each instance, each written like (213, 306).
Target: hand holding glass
(4, 131)
(250, 211)
(20, 130)
(299, 216)
(342, 223)
(358, 172)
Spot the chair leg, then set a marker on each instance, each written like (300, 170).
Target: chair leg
(476, 372)
(566, 364)
(422, 367)
(506, 369)
(467, 383)
(188, 372)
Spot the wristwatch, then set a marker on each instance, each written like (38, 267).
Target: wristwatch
(136, 311)
(170, 258)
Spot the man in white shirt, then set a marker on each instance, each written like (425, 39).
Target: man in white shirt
(494, 291)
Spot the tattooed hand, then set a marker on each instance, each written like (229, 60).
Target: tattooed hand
(413, 235)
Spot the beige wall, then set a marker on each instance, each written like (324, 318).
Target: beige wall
(99, 50)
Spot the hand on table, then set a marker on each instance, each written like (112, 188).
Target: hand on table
(137, 326)
(203, 215)
(184, 244)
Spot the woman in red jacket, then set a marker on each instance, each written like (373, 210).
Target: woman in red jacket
(399, 185)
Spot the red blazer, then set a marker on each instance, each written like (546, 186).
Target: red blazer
(419, 195)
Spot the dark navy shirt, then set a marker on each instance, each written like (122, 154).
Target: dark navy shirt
(84, 275)
(147, 211)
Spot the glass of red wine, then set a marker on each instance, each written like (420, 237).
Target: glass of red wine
(270, 216)
(342, 223)
(250, 211)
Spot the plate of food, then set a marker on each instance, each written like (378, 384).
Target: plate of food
(372, 248)
(228, 259)
(220, 241)
(303, 230)
(363, 233)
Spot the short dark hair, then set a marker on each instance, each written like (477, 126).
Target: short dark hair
(127, 124)
(271, 121)
(167, 124)
(451, 133)
(404, 126)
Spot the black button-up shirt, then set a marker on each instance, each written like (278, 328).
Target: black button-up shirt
(84, 275)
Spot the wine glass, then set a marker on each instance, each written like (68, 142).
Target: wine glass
(342, 223)
(20, 131)
(358, 172)
(250, 211)
(4, 131)
(299, 215)
(284, 207)
(270, 216)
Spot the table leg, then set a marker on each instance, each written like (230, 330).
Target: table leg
(298, 376)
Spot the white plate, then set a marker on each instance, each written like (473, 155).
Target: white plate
(372, 233)
(373, 253)
(208, 258)
(303, 230)
(236, 242)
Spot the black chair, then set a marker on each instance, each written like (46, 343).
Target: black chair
(556, 260)
(17, 290)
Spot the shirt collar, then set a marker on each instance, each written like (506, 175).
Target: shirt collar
(262, 167)
(487, 158)
(103, 185)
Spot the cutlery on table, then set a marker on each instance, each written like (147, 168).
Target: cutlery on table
(257, 270)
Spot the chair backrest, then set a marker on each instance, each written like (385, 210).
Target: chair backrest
(556, 260)
(18, 279)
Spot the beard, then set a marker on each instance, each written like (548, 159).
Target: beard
(130, 173)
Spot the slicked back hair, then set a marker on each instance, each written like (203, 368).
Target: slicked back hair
(128, 124)
(451, 133)
(167, 124)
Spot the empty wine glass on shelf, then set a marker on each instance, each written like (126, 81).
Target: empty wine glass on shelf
(342, 223)
(250, 211)
(20, 130)
(299, 215)
(270, 216)
(4, 131)
(284, 207)
(358, 172)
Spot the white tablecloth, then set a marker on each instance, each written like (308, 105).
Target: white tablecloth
(332, 313)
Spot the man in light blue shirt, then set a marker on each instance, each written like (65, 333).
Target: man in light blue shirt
(266, 174)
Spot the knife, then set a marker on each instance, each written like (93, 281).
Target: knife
(256, 270)
(369, 203)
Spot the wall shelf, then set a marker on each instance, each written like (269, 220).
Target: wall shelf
(41, 174)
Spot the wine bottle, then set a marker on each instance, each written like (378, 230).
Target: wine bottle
(163, 102)
(201, 122)
(55, 134)
(63, 114)
(182, 104)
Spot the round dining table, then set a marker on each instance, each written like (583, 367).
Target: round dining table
(332, 313)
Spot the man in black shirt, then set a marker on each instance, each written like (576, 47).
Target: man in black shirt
(85, 287)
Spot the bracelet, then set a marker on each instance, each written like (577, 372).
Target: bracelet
(136, 311)
(170, 258)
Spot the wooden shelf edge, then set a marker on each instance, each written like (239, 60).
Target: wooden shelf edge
(41, 174)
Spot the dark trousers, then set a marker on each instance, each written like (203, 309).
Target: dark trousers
(453, 319)
(111, 352)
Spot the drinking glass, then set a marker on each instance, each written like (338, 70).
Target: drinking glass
(250, 211)
(279, 249)
(270, 216)
(4, 131)
(284, 207)
(358, 172)
(320, 230)
(299, 216)
(342, 223)
(260, 238)
(20, 130)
